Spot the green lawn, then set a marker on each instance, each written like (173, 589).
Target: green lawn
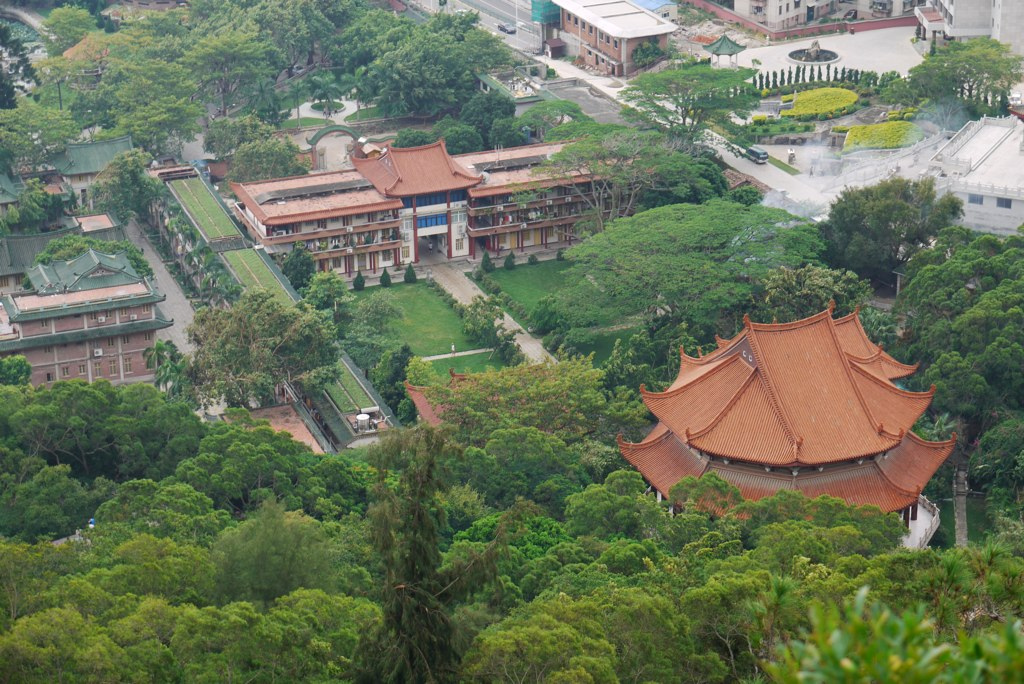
(251, 271)
(364, 114)
(602, 343)
(978, 523)
(779, 164)
(428, 325)
(474, 363)
(304, 122)
(528, 284)
(336, 106)
(205, 209)
(347, 393)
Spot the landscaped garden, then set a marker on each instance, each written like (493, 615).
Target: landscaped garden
(527, 283)
(204, 208)
(302, 122)
(364, 114)
(821, 102)
(347, 394)
(883, 136)
(428, 324)
(252, 271)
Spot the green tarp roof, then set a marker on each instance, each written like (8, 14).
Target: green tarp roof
(725, 46)
(90, 157)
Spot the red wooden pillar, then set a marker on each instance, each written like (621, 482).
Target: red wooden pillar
(448, 215)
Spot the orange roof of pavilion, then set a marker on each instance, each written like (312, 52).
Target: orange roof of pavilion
(807, 405)
(408, 171)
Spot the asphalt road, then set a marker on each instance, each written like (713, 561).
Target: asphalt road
(527, 37)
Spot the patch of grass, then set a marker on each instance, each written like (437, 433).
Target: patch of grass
(372, 112)
(779, 164)
(204, 208)
(347, 393)
(428, 325)
(335, 106)
(601, 343)
(251, 271)
(303, 123)
(821, 101)
(474, 363)
(529, 284)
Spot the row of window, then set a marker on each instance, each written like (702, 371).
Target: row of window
(602, 37)
(434, 198)
(97, 369)
(1001, 202)
(148, 337)
(432, 220)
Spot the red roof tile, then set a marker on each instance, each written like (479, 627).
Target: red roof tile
(408, 171)
(662, 459)
(423, 407)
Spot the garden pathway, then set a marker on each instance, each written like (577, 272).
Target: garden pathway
(438, 357)
(176, 306)
(452, 279)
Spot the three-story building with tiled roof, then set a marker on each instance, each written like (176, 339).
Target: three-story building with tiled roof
(89, 318)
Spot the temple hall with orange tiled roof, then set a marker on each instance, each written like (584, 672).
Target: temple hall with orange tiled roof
(809, 406)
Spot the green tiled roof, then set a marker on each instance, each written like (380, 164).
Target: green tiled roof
(10, 188)
(18, 252)
(90, 157)
(89, 271)
(72, 336)
(10, 304)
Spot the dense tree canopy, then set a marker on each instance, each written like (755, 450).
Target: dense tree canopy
(243, 352)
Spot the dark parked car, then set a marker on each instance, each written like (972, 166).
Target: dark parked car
(852, 14)
(506, 28)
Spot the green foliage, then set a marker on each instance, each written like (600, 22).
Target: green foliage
(486, 265)
(687, 100)
(271, 157)
(31, 135)
(359, 282)
(661, 259)
(243, 352)
(791, 294)
(65, 26)
(510, 261)
(647, 53)
(15, 370)
(745, 194)
(978, 73)
(413, 137)
(459, 138)
(227, 135)
(484, 108)
(385, 278)
(35, 211)
(410, 275)
(298, 267)
(69, 247)
(873, 230)
(506, 132)
(271, 554)
(125, 189)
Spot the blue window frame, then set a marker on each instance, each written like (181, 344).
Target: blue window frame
(434, 220)
(431, 199)
(458, 195)
(407, 202)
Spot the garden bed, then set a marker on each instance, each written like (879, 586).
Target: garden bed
(890, 135)
(251, 271)
(203, 207)
(822, 102)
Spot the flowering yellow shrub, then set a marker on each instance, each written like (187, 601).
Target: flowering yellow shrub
(883, 136)
(821, 101)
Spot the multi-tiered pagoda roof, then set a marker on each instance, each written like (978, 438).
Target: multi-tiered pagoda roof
(808, 405)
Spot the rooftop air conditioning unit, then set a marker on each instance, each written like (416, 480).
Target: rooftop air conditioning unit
(348, 250)
(97, 352)
(133, 317)
(101, 319)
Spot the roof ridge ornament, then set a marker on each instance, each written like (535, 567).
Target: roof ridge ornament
(831, 305)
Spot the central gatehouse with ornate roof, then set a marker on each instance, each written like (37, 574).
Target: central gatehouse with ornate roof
(810, 406)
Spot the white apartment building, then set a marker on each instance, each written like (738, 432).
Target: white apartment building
(961, 19)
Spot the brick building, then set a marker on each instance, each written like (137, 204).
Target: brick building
(604, 33)
(404, 203)
(88, 318)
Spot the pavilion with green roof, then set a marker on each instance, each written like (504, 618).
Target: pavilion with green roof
(725, 46)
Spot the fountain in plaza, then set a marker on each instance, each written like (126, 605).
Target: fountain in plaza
(815, 54)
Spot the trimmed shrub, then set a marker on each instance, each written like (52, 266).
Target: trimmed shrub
(884, 136)
(410, 274)
(533, 260)
(486, 264)
(359, 282)
(510, 261)
(821, 101)
(560, 255)
(385, 278)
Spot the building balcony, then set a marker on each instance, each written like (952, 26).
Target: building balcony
(324, 233)
(545, 201)
(343, 250)
(480, 230)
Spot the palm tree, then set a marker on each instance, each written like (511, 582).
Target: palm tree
(324, 89)
(167, 363)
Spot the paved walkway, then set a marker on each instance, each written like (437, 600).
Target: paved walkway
(25, 16)
(452, 279)
(438, 357)
(176, 306)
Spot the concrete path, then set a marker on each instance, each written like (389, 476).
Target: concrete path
(25, 16)
(438, 357)
(452, 279)
(176, 305)
(960, 490)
